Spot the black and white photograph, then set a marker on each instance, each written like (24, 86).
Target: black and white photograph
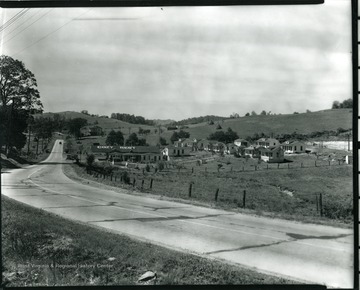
(176, 145)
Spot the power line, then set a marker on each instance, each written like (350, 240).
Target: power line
(14, 19)
(28, 26)
(26, 20)
(47, 35)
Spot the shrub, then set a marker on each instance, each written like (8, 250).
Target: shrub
(147, 168)
(90, 159)
(161, 165)
(125, 177)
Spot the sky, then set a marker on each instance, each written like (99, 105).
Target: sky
(182, 62)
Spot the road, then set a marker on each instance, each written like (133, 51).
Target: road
(305, 252)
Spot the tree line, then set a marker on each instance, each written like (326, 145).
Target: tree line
(196, 120)
(132, 119)
(345, 104)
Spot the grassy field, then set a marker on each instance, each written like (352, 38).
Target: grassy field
(33, 241)
(291, 191)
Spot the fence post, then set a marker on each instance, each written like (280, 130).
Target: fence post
(329, 162)
(192, 170)
(267, 166)
(244, 198)
(317, 203)
(151, 183)
(278, 165)
(321, 206)
(142, 184)
(134, 182)
(190, 189)
(216, 194)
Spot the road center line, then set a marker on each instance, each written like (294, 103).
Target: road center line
(186, 221)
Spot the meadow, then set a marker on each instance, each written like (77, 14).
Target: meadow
(306, 188)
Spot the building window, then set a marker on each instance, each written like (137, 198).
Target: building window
(295, 148)
(301, 148)
(174, 151)
(182, 151)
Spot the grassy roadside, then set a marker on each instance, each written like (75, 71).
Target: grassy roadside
(265, 191)
(33, 240)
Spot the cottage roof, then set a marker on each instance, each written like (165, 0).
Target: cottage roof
(266, 140)
(241, 140)
(292, 142)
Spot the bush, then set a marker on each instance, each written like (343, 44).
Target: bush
(161, 165)
(147, 168)
(125, 177)
(90, 159)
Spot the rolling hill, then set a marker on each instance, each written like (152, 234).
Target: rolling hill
(302, 123)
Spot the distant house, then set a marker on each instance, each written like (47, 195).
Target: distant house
(186, 143)
(241, 142)
(231, 148)
(293, 147)
(251, 151)
(173, 151)
(204, 145)
(267, 142)
(271, 154)
(91, 131)
(219, 147)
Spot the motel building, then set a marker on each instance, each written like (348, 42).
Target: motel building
(136, 154)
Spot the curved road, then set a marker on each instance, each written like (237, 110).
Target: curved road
(305, 252)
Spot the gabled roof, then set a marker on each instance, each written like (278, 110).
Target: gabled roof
(241, 140)
(266, 140)
(292, 142)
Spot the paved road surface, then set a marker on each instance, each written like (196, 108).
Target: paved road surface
(309, 253)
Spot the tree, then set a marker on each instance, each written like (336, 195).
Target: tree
(234, 115)
(253, 113)
(225, 137)
(336, 105)
(19, 98)
(90, 159)
(179, 135)
(115, 138)
(308, 111)
(247, 114)
(263, 112)
(162, 141)
(133, 140)
(347, 103)
(74, 126)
